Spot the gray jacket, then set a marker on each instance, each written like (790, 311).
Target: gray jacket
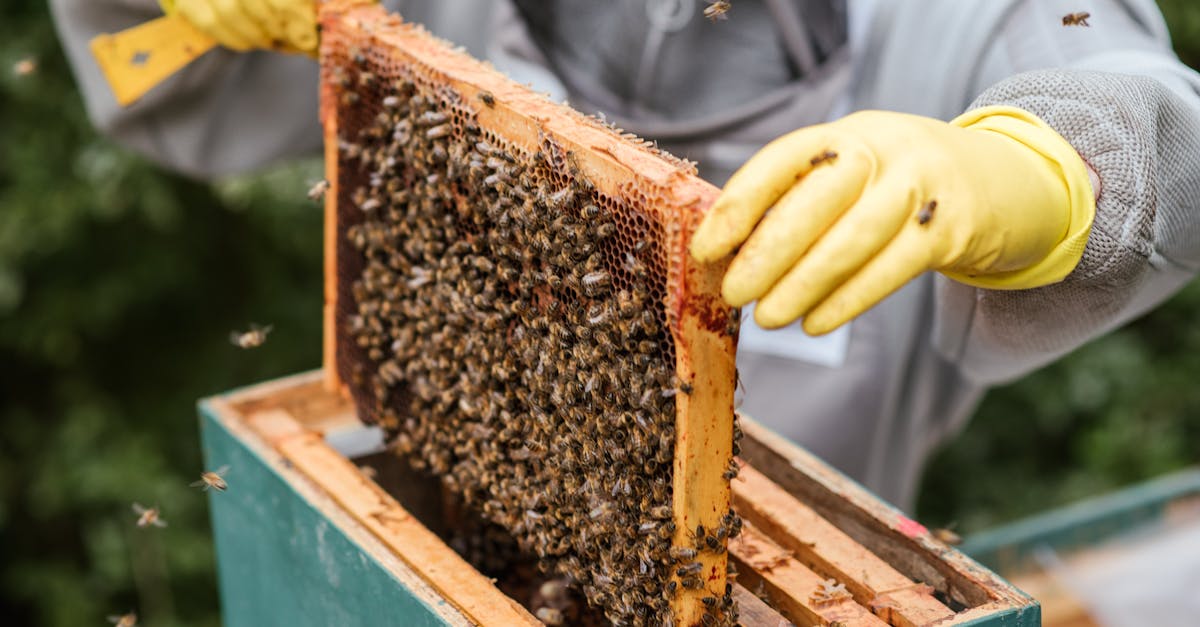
(875, 398)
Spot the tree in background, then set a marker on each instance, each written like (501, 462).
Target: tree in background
(119, 284)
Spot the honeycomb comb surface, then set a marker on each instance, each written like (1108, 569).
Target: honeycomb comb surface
(514, 304)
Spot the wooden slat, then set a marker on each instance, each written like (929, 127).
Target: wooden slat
(329, 309)
(460, 584)
(754, 612)
(830, 552)
(882, 529)
(792, 588)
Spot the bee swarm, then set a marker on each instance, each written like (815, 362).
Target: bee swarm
(521, 323)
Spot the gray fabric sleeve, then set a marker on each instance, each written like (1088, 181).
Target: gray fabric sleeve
(1137, 124)
(225, 113)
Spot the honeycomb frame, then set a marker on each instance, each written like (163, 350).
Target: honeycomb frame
(617, 165)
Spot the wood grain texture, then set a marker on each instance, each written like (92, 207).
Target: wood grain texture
(882, 529)
(828, 551)
(792, 588)
(754, 612)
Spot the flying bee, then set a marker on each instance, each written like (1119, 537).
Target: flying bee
(148, 516)
(25, 67)
(317, 191)
(214, 479)
(124, 620)
(718, 11)
(487, 98)
(825, 156)
(550, 616)
(1076, 19)
(946, 536)
(253, 338)
(925, 214)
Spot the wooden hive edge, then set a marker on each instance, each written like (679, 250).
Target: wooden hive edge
(704, 353)
(883, 530)
(373, 510)
(831, 553)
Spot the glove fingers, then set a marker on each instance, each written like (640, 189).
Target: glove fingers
(793, 224)
(844, 249)
(754, 188)
(903, 260)
(266, 17)
(233, 18)
(302, 34)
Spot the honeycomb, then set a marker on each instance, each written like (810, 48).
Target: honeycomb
(523, 322)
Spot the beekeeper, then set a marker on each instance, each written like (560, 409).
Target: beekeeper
(1024, 178)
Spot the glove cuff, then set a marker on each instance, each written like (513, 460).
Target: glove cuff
(1034, 133)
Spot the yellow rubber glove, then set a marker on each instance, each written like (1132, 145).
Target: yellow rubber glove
(282, 25)
(860, 206)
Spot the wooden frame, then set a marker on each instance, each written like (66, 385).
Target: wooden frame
(806, 524)
(619, 167)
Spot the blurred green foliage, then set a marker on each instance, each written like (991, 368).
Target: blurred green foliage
(119, 285)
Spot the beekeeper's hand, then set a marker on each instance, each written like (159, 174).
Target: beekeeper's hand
(283, 25)
(832, 218)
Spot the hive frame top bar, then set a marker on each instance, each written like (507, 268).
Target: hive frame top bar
(620, 166)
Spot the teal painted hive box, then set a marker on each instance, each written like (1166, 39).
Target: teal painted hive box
(319, 526)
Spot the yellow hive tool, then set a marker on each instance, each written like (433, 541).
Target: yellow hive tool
(138, 58)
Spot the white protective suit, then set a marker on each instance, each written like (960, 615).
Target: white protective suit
(875, 397)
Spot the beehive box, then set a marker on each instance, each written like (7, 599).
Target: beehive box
(305, 536)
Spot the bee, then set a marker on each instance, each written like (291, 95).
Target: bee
(437, 132)
(214, 479)
(148, 516)
(824, 157)
(717, 10)
(550, 616)
(682, 553)
(253, 338)
(693, 568)
(595, 283)
(25, 67)
(317, 191)
(487, 98)
(1076, 19)
(691, 583)
(124, 620)
(925, 214)
(946, 536)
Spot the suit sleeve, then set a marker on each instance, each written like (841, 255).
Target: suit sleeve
(1131, 109)
(225, 113)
